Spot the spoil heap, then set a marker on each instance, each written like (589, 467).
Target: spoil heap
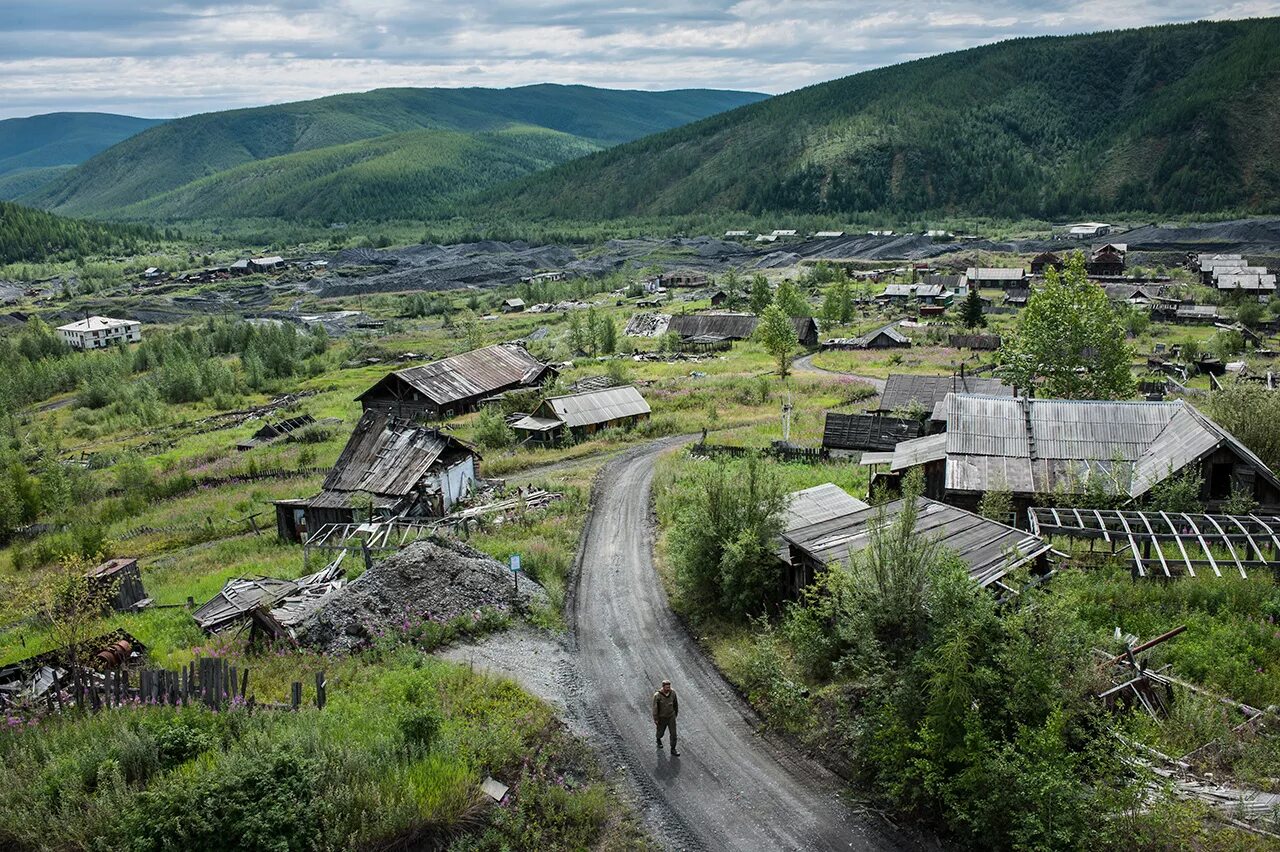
(434, 578)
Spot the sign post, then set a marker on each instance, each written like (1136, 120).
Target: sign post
(515, 570)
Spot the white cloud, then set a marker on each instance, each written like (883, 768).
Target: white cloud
(174, 57)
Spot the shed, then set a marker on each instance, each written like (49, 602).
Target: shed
(398, 468)
(121, 582)
(847, 434)
(512, 306)
(455, 385)
(885, 337)
(581, 415)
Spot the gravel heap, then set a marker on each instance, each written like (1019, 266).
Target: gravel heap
(434, 578)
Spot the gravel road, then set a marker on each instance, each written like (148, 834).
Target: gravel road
(733, 787)
(805, 365)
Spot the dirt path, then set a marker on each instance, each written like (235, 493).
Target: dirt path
(805, 365)
(733, 788)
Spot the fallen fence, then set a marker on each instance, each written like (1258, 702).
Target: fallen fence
(804, 455)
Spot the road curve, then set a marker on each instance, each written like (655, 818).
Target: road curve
(804, 364)
(733, 787)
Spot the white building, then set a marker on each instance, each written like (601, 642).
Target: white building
(1089, 229)
(100, 332)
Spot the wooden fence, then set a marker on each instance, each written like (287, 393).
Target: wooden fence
(805, 455)
(215, 683)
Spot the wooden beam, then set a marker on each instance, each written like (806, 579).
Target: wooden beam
(1230, 548)
(1213, 562)
(1178, 538)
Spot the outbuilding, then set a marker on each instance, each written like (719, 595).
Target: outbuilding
(581, 415)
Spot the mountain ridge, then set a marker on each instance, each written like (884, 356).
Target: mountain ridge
(179, 152)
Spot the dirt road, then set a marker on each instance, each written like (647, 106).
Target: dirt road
(805, 365)
(733, 787)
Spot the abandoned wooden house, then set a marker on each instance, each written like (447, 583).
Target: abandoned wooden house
(923, 394)
(1137, 294)
(998, 278)
(1107, 261)
(1209, 264)
(845, 435)
(726, 326)
(989, 549)
(581, 415)
(806, 331)
(1017, 298)
(390, 468)
(120, 584)
(1031, 447)
(1045, 261)
(512, 306)
(1185, 313)
(1252, 280)
(956, 283)
(455, 385)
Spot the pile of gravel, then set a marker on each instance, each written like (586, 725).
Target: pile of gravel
(432, 579)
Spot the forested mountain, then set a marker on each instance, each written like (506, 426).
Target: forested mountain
(37, 149)
(403, 175)
(179, 152)
(1169, 119)
(34, 236)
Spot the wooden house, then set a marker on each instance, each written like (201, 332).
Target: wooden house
(999, 278)
(1044, 261)
(806, 331)
(391, 466)
(885, 337)
(581, 415)
(512, 306)
(727, 326)
(925, 294)
(1032, 447)
(1107, 261)
(455, 385)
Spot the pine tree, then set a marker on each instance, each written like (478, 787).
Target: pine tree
(971, 312)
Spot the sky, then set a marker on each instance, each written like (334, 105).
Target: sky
(164, 59)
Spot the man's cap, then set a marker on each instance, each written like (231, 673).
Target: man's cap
(666, 683)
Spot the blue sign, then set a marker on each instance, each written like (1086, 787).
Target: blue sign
(515, 563)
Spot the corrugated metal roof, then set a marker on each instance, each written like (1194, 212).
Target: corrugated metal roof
(918, 451)
(598, 406)
(471, 374)
(989, 548)
(921, 291)
(1037, 445)
(385, 456)
(536, 424)
(1244, 281)
(977, 273)
(820, 503)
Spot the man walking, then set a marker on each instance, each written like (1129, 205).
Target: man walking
(665, 709)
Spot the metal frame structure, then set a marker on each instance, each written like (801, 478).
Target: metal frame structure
(1240, 541)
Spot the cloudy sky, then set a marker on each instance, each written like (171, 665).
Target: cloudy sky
(163, 59)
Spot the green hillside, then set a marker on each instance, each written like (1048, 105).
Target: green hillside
(178, 152)
(24, 181)
(62, 138)
(34, 236)
(1168, 119)
(404, 175)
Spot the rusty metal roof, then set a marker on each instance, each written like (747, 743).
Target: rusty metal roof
(471, 374)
